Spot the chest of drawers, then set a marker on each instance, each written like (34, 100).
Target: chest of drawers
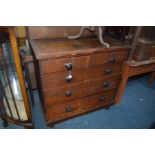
(76, 76)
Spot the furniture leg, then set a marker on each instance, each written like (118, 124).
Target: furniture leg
(123, 82)
(151, 78)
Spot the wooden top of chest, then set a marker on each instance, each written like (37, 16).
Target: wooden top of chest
(50, 49)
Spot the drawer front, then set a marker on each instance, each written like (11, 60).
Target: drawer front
(109, 58)
(58, 79)
(68, 109)
(58, 65)
(76, 91)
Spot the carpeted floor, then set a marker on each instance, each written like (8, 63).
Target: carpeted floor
(136, 111)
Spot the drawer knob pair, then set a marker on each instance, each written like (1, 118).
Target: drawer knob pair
(68, 93)
(69, 77)
(112, 60)
(68, 108)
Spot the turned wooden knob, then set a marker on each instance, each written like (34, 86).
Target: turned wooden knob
(108, 70)
(112, 60)
(68, 66)
(106, 84)
(102, 98)
(68, 93)
(68, 78)
(68, 108)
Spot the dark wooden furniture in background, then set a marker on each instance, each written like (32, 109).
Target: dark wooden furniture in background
(76, 76)
(129, 71)
(141, 60)
(117, 32)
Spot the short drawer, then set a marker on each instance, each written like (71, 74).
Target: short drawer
(58, 65)
(109, 58)
(69, 109)
(76, 91)
(58, 79)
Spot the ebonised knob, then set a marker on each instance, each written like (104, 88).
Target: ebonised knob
(108, 71)
(68, 93)
(68, 108)
(102, 98)
(68, 78)
(112, 60)
(68, 66)
(106, 84)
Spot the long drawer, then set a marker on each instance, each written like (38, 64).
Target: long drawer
(93, 60)
(58, 79)
(60, 111)
(76, 91)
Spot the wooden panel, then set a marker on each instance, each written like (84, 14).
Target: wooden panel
(141, 69)
(52, 49)
(68, 109)
(55, 96)
(58, 79)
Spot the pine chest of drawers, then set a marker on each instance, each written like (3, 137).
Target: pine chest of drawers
(76, 76)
